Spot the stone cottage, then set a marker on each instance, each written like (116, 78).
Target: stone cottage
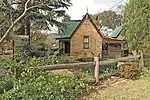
(83, 38)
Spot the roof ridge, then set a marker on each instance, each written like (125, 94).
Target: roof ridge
(87, 16)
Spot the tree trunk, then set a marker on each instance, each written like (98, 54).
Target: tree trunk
(27, 29)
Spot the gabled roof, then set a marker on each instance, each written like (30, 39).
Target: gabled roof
(88, 17)
(116, 32)
(71, 26)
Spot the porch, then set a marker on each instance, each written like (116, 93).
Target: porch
(113, 50)
(64, 45)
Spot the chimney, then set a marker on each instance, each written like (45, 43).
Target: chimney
(97, 22)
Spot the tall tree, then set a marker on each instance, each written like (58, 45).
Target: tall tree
(137, 24)
(109, 19)
(41, 12)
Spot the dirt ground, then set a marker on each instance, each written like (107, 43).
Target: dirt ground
(120, 89)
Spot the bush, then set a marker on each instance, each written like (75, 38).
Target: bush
(41, 86)
(16, 68)
(30, 85)
(50, 60)
(84, 59)
(129, 71)
(25, 51)
(6, 83)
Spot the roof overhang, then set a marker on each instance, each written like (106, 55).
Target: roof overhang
(63, 38)
(112, 40)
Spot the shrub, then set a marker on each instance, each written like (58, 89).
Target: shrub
(84, 59)
(129, 71)
(30, 85)
(107, 71)
(41, 86)
(6, 83)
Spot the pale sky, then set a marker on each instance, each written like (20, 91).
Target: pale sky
(79, 7)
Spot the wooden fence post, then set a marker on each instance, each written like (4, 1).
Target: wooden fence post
(96, 73)
(141, 60)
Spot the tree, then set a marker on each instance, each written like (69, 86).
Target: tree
(109, 19)
(37, 11)
(136, 23)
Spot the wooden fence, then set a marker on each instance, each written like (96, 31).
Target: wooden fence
(84, 64)
(96, 63)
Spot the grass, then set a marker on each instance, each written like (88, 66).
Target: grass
(130, 90)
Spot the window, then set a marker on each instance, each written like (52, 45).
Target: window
(86, 42)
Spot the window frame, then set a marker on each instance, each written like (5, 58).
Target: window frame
(86, 43)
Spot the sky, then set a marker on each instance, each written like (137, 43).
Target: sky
(79, 7)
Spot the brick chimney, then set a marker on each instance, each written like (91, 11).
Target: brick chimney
(97, 22)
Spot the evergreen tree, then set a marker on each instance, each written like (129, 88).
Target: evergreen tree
(31, 12)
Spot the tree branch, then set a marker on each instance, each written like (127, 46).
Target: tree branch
(21, 16)
(14, 23)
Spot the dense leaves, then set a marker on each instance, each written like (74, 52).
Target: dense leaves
(22, 83)
(6, 83)
(40, 13)
(109, 19)
(17, 67)
(41, 86)
(136, 24)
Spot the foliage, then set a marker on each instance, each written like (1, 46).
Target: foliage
(145, 72)
(22, 83)
(136, 23)
(87, 70)
(84, 59)
(146, 69)
(39, 13)
(33, 85)
(108, 71)
(129, 71)
(147, 63)
(6, 83)
(15, 67)
(109, 18)
(105, 70)
(22, 48)
(37, 36)
(38, 50)
(64, 24)
(12, 67)
(50, 60)
(25, 51)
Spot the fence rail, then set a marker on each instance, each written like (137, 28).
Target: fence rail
(96, 63)
(84, 64)
(62, 66)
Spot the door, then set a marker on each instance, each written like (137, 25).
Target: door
(67, 48)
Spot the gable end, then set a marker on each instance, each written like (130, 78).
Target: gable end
(86, 16)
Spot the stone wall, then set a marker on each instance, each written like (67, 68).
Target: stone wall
(95, 41)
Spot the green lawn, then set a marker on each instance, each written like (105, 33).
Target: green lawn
(129, 90)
